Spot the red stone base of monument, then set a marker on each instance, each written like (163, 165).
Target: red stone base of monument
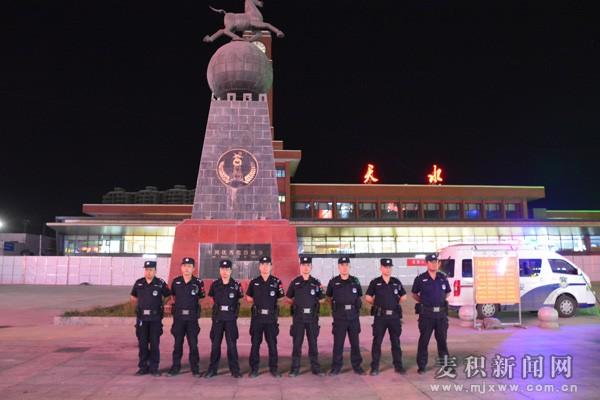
(278, 233)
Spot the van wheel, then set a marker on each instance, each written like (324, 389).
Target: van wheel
(487, 310)
(566, 306)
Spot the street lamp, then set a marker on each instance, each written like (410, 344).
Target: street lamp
(1, 224)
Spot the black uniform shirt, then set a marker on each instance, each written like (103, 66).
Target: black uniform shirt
(150, 297)
(346, 297)
(186, 305)
(432, 291)
(306, 295)
(264, 296)
(387, 295)
(227, 298)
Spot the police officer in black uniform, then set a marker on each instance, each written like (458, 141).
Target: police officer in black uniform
(306, 292)
(345, 292)
(430, 290)
(226, 294)
(148, 294)
(385, 294)
(187, 291)
(263, 293)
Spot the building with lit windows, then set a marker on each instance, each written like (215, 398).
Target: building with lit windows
(362, 219)
(369, 220)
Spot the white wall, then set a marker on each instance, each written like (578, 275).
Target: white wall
(365, 269)
(70, 270)
(123, 271)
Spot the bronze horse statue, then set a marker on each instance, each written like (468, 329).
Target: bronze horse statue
(251, 19)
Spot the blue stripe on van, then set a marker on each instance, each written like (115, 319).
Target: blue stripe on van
(535, 298)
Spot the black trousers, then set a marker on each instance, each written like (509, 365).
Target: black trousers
(342, 327)
(297, 330)
(186, 329)
(228, 329)
(426, 327)
(148, 334)
(394, 327)
(269, 330)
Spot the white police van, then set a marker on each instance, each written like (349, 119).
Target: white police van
(546, 278)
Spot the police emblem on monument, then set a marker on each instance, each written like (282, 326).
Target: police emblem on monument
(237, 168)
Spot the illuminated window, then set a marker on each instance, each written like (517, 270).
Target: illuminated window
(513, 211)
(128, 244)
(447, 267)
(280, 172)
(493, 211)
(410, 210)
(431, 211)
(389, 210)
(562, 267)
(344, 210)
(281, 198)
(529, 266)
(139, 246)
(367, 210)
(595, 242)
(301, 210)
(164, 244)
(452, 210)
(472, 211)
(324, 210)
(150, 245)
(467, 268)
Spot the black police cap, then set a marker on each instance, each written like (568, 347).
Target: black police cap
(386, 262)
(149, 264)
(188, 260)
(431, 257)
(344, 260)
(225, 264)
(265, 260)
(305, 260)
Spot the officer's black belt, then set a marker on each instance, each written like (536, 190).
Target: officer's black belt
(149, 312)
(185, 312)
(307, 311)
(435, 309)
(264, 311)
(388, 312)
(347, 307)
(225, 308)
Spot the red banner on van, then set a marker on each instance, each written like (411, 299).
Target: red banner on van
(416, 262)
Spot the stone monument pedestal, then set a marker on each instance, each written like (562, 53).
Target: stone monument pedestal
(241, 241)
(236, 213)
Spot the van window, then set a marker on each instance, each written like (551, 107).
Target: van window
(529, 266)
(467, 268)
(562, 267)
(447, 267)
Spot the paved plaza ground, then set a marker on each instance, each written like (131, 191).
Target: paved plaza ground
(40, 360)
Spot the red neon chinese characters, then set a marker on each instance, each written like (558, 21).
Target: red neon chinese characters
(436, 176)
(369, 177)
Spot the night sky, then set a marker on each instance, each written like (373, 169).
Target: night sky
(97, 94)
